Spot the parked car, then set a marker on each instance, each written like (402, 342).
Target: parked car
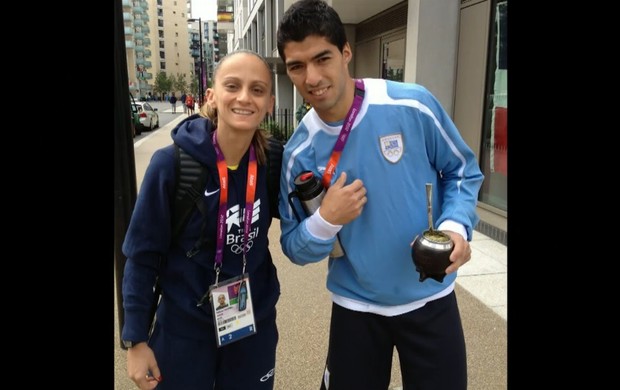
(149, 118)
(136, 127)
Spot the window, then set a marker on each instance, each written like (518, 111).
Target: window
(493, 159)
(393, 59)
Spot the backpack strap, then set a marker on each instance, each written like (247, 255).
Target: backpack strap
(191, 180)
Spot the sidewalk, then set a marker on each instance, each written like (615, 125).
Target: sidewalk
(304, 308)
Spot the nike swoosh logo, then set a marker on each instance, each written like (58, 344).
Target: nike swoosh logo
(207, 193)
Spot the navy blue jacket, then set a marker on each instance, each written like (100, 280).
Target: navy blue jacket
(185, 280)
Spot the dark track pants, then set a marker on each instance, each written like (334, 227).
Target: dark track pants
(190, 364)
(429, 340)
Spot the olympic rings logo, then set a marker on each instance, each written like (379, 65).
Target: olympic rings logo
(268, 375)
(237, 249)
(392, 152)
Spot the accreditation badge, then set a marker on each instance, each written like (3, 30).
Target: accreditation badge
(233, 314)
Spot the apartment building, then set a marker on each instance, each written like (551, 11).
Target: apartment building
(158, 38)
(457, 49)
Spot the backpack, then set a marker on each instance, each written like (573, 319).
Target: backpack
(191, 180)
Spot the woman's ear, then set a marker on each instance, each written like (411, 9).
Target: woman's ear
(210, 96)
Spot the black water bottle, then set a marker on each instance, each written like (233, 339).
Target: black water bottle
(310, 191)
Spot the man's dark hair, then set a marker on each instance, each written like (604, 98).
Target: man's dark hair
(310, 17)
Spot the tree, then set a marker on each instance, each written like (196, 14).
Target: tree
(181, 83)
(193, 86)
(162, 84)
(172, 82)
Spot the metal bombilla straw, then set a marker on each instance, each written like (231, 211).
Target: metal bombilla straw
(429, 205)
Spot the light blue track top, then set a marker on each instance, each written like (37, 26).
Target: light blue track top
(401, 139)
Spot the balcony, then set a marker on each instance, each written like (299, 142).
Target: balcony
(129, 44)
(128, 30)
(127, 16)
(148, 64)
(138, 35)
(139, 48)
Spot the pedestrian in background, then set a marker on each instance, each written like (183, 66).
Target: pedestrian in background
(173, 102)
(303, 108)
(183, 97)
(189, 104)
(226, 251)
(376, 143)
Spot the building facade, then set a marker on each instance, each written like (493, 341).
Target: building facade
(158, 38)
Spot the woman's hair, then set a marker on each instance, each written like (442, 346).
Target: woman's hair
(310, 17)
(260, 135)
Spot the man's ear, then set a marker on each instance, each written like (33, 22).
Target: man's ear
(347, 53)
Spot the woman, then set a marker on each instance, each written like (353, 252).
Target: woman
(192, 347)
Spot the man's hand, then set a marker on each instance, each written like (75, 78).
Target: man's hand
(461, 253)
(343, 203)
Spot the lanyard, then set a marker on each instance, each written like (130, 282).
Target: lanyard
(249, 202)
(344, 133)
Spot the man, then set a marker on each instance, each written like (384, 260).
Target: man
(183, 97)
(376, 172)
(221, 300)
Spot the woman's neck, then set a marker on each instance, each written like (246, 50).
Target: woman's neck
(233, 145)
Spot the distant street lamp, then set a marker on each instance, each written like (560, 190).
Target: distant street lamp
(200, 86)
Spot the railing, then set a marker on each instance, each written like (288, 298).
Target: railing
(281, 124)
